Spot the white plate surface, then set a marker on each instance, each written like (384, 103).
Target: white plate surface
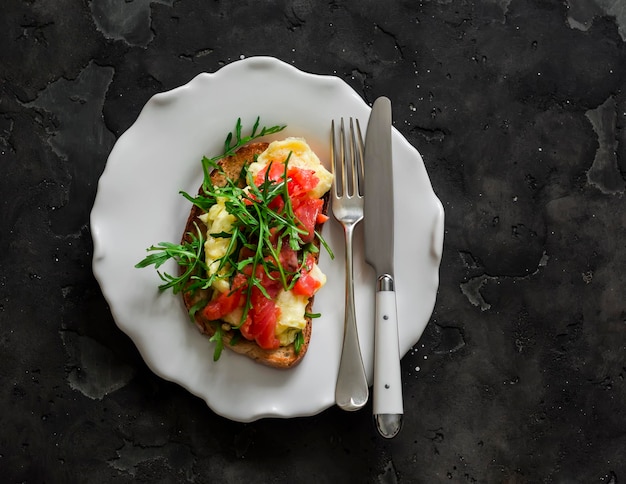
(138, 204)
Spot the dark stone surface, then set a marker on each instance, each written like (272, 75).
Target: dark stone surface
(518, 109)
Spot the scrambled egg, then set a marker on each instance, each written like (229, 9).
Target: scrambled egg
(302, 156)
(292, 309)
(217, 220)
(291, 319)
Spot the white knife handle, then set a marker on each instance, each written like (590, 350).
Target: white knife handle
(387, 406)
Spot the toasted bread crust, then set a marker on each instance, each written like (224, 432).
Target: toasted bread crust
(284, 356)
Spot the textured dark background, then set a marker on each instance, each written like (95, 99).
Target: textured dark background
(518, 110)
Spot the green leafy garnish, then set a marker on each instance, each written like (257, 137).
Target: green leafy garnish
(265, 223)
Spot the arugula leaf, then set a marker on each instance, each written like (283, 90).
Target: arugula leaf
(188, 254)
(298, 342)
(218, 339)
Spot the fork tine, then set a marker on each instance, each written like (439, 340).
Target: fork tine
(345, 189)
(333, 154)
(350, 160)
(356, 159)
(360, 161)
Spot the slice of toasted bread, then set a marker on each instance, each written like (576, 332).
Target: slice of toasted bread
(282, 357)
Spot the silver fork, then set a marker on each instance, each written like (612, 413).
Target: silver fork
(352, 391)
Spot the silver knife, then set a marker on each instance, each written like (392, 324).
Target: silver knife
(378, 222)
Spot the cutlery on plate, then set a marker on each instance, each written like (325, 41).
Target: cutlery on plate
(378, 220)
(352, 391)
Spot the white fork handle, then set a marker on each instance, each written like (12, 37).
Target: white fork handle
(388, 407)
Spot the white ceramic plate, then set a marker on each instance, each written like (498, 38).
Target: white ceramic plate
(138, 204)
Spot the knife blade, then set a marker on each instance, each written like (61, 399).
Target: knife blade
(379, 230)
